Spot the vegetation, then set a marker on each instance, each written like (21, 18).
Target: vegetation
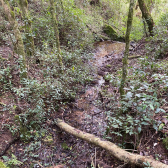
(63, 60)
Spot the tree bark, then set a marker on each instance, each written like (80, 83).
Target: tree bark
(126, 53)
(56, 31)
(110, 147)
(28, 28)
(19, 46)
(146, 14)
(149, 4)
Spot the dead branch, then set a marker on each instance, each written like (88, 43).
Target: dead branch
(110, 147)
(134, 56)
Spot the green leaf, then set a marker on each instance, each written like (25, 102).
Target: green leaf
(144, 123)
(138, 95)
(129, 95)
(157, 110)
(115, 126)
(147, 119)
(6, 158)
(155, 127)
(161, 126)
(136, 121)
(139, 129)
(151, 106)
(162, 110)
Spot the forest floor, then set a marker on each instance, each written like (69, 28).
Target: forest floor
(87, 113)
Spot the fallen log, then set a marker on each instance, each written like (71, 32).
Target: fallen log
(113, 149)
(134, 56)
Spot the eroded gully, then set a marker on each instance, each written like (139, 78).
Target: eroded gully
(87, 112)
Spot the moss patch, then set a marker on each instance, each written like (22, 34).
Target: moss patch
(112, 33)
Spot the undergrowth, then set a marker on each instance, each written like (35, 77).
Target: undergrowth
(46, 89)
(146, 90)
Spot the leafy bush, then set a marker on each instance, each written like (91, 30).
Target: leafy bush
(137, 29)
(12, 162)
(159, 42)
(142, 101)
(71, 24)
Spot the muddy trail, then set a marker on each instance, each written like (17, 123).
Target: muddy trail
(87, 111)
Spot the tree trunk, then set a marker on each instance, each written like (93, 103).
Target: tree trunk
(149, 4)
(56, 31)
(146, 14)
(110, 147)
(19, 46)
(126, 53)
(28, 28)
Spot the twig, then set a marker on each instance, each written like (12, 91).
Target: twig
(130, 150)
(38, 163)
(150, 138)
(134, 56)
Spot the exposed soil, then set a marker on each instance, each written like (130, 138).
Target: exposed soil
(86, 113)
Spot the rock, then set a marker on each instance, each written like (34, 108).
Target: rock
(112, 33)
